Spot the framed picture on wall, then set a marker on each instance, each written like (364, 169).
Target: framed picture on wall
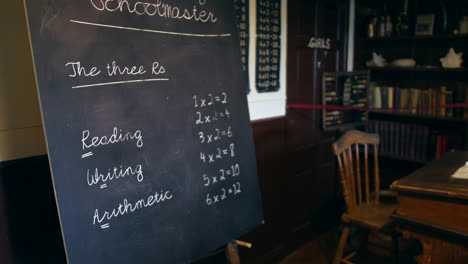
(424, 25)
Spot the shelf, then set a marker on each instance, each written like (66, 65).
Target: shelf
(417, 116)
(408, 38)
(419, 69)
(344, 126)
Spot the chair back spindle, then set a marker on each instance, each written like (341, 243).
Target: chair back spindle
(349, 149)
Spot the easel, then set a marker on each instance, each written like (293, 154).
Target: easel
(232, 254)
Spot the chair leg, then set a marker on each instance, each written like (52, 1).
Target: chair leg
(341, 245)
(364, 243)
(396, 247)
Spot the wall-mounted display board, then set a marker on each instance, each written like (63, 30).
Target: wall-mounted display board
(147, 127)
(344, 89)
(268, 45)
(242, 18)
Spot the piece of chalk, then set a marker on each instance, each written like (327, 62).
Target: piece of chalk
(244, 244)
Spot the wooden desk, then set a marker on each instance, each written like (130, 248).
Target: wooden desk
(433, 208)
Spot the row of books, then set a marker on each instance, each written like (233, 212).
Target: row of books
(354, 90)
(430, 102)
(411, 141)
(332, 118)
(348, 89)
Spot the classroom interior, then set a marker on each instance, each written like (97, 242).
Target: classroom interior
(393, 70)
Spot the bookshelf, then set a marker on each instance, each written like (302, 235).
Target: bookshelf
(440, 130)
(348, 89)
(419, 69)
(409, 116)
(416, 38)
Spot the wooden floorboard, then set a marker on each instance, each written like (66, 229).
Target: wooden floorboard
(321, 251)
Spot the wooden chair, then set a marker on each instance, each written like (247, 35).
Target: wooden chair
(363, 206)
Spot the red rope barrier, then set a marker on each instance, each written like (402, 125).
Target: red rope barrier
(337, 107)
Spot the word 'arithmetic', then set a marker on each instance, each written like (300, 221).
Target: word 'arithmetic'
(125, 207)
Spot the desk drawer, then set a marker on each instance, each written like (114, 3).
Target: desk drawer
(444, 214)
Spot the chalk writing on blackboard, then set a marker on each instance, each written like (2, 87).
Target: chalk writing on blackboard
(242, 17)
(98, 177)
(149, 30)
(159, 9)
(125, 207)
(77, 69)
(219, 147)
(117, 136)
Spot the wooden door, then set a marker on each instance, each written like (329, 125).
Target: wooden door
(316, 44)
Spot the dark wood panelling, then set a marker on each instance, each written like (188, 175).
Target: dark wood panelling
(5, 248)
(30, 213)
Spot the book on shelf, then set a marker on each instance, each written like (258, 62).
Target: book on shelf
(377, 98)
(344, 89)
(434, 102)
(465, 114)
(442, 100)
(415, 142)
(390, 95)
(413, 100)
(384, 95)
(412, 145)
(347, 92)
(449, 101)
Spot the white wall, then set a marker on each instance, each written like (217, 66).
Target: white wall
(21, 132)
(267, 105)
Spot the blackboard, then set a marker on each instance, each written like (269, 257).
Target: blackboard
(147, 127)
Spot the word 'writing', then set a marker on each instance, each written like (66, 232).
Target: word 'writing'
(97, 177)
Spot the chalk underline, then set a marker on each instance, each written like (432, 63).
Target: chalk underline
(120, 82)
(150, 30)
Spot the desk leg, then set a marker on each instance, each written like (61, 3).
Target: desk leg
(426, 244)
